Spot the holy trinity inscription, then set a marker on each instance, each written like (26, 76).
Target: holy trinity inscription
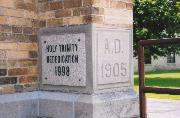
(63, 57)
(64, 60)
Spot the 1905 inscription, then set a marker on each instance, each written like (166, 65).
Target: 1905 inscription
(113, 56)
(64, 60)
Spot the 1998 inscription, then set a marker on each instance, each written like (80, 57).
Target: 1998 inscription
(64, 57)
(64, 60)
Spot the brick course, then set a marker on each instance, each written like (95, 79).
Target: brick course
(18, 45)
(72, 12)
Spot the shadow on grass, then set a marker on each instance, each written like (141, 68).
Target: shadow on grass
(161, 72)
(164, 79)
(160, 82)
(164, 72)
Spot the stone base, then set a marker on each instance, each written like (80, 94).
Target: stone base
(67, 105)
(19, 105)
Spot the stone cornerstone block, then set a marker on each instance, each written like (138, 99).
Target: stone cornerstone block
(64, 59)
(86, 58)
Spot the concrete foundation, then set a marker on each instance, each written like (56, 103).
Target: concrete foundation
(19, 105)
(67, 105)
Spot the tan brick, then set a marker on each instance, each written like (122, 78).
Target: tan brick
(27, 62)
(72, 3)
(33, 70)
(46, 15)
(101, 3)
(28, 46)
(2, 11)
(56, 5)
(18, 37)
(29, 1)
(15, 13)
(19, 4)
(118, 4)
(17, 54)
(93, 19)
(63, 13)
(92, 10)
(127, 1)
(87, 3)
(12, 63)
(3, 20)
(44, 7)
(129, 6)
(35, 23)
(19, 46)
(30, 14)
(73, 20)
(7, 89)
(7, 3)
(3, 54)
(30, 7)
(18, 71)
(27, 79)
(20, 21)
(77, 11)
(54, 22)
(17, 21)
(3, 63)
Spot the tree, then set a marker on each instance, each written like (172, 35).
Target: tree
(156, 19)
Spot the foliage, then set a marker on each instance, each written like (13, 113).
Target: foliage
(156, 19)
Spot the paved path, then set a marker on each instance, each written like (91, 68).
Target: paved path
(163, 108)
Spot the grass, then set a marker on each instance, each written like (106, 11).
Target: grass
(169, 79)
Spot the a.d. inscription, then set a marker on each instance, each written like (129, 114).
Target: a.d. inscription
(64, 59)
(113, 56)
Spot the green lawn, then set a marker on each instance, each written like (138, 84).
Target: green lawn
(170, 79)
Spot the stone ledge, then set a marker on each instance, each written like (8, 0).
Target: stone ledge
(41, 104)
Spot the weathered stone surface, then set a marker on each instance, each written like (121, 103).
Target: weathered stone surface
(56, 109)
(67, 105)
(19, 105)
(64, 59)
(110, 105)
(113, 56)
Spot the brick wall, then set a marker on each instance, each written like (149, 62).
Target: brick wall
(21, 19)
(72, 12)
(18, 46)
